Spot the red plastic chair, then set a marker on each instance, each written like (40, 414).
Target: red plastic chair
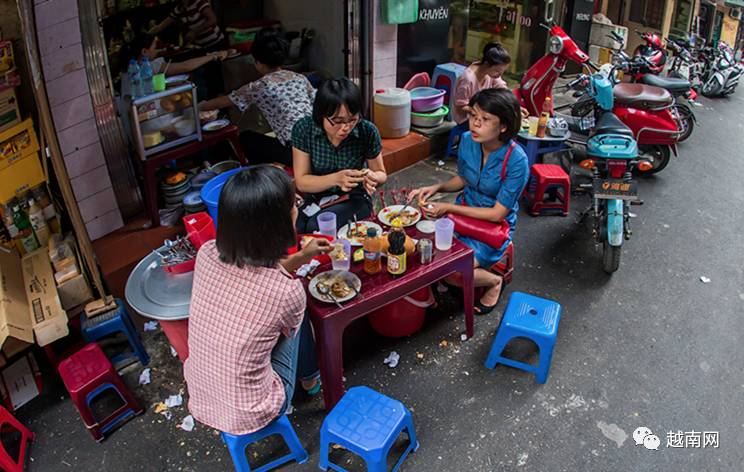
(7, 463)
(551, 179)
(88, 373)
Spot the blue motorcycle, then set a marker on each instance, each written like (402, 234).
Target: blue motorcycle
(611, 156)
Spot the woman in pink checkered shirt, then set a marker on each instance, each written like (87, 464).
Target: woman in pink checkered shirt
(249, 338)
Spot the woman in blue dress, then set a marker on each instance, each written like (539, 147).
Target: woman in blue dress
(492, 171)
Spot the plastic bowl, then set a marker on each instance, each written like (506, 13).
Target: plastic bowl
(429, 120)
(425, 99)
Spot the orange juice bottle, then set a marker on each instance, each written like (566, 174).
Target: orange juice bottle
(372, 248)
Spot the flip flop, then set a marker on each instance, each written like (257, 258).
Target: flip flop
(484, 309)
(315, 389)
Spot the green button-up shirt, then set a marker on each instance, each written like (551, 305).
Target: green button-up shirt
(362, 143)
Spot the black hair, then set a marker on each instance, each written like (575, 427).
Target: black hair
(494, 54)
(254, 222)
(133, 50)
(333, 93)
(501, 103)
(270, 48)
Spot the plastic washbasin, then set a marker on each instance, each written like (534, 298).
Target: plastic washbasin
(425, 99)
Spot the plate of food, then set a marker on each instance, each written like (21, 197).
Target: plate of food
(176, 79)
(408, 215)
(358, 232)
(215, 125)
(334, 286)
(209, 115)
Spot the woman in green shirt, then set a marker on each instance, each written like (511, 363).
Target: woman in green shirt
(336, 153)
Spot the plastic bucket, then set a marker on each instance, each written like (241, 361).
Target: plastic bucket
(392, 111)
(210, 193)
(403, 317)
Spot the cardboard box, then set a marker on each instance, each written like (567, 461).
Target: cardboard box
(74, 292)
(10, 114)
(20, 177)
(20, 382)
(30, 309)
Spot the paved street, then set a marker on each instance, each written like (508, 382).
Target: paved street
(650, 346)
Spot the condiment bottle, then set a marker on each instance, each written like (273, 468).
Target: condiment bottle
(396, 260)
(372, 247)
(38, 222)
(25, 233)
(542, 123)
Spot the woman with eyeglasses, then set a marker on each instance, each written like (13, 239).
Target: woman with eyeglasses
(492, 171)
(250, 340)
(336, 154)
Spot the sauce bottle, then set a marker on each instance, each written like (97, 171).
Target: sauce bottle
(372, 247)
(396, 260)
(25, 233)
(542, 123)
(38, 222)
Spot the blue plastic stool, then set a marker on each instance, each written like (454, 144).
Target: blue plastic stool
(115, 321)
(529, 317)
(237, 444)
(366, 423)
(455, 133)
(445, 78)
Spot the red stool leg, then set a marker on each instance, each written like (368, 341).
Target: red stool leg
(7, 463)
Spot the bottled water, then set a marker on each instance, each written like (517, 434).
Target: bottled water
(146, 76)
(135, 79)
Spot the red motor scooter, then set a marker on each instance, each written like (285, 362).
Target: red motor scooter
(645, 109)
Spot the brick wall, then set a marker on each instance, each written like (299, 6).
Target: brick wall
(385, 54)
(58, 31)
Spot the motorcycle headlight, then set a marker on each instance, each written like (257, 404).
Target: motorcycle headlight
(555, 44)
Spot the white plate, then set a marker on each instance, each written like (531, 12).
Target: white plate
(215, 125)
(176, 79)
(343, 232)
(348, 276)
(384, 215)
(425, 226)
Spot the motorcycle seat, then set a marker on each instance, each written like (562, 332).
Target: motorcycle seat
(641, 96)
(609, 123)
(669, 83)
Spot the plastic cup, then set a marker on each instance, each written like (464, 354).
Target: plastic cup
(533, 125)
(346, 263)
(443, 231)
(327, 224)
(158, 82)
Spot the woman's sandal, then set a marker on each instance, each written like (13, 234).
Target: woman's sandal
(484, 309)
(315, 389)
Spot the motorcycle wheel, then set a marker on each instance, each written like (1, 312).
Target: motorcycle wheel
(687, 122)
(658, 154)
(610, 257)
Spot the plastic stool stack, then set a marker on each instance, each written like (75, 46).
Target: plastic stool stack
(367, 423)
(528, 317)
(88, 373)
(445, 78)
(550, 179)
(237, 444)
(115, 321)
(7, 463)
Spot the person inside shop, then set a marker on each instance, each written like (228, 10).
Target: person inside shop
(200, 21)
(480, 75)
(283, 97)
(145, 46)
(249, 337)
(337, 156)
(492, 171)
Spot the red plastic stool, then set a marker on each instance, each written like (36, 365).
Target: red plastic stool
(7, 463)
(552, 179)
(88, 373)
(505, 266)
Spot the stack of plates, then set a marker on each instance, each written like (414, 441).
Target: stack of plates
(174, 194)
(192, 202)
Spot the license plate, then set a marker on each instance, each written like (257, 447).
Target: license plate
(615, 189)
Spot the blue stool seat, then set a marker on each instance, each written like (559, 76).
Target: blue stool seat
(455, 134)
(529, 317)
(237, 444)
(445, 78)
(115, 321)
(367, 423)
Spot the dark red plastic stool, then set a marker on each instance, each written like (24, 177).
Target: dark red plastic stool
(551, 179)
(88, 373)
(7, 463)
(505, 266)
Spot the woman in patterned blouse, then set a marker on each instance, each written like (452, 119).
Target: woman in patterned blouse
(249, 337)
(282, 96)
(337, 153)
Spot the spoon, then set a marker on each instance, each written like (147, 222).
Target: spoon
(325, 291)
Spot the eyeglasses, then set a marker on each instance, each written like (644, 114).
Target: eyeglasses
(481, 120)
(349, 122)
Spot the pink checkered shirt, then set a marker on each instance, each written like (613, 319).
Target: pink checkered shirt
(235, 320)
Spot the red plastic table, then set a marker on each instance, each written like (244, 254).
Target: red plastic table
(330, 321)
(149, 166)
